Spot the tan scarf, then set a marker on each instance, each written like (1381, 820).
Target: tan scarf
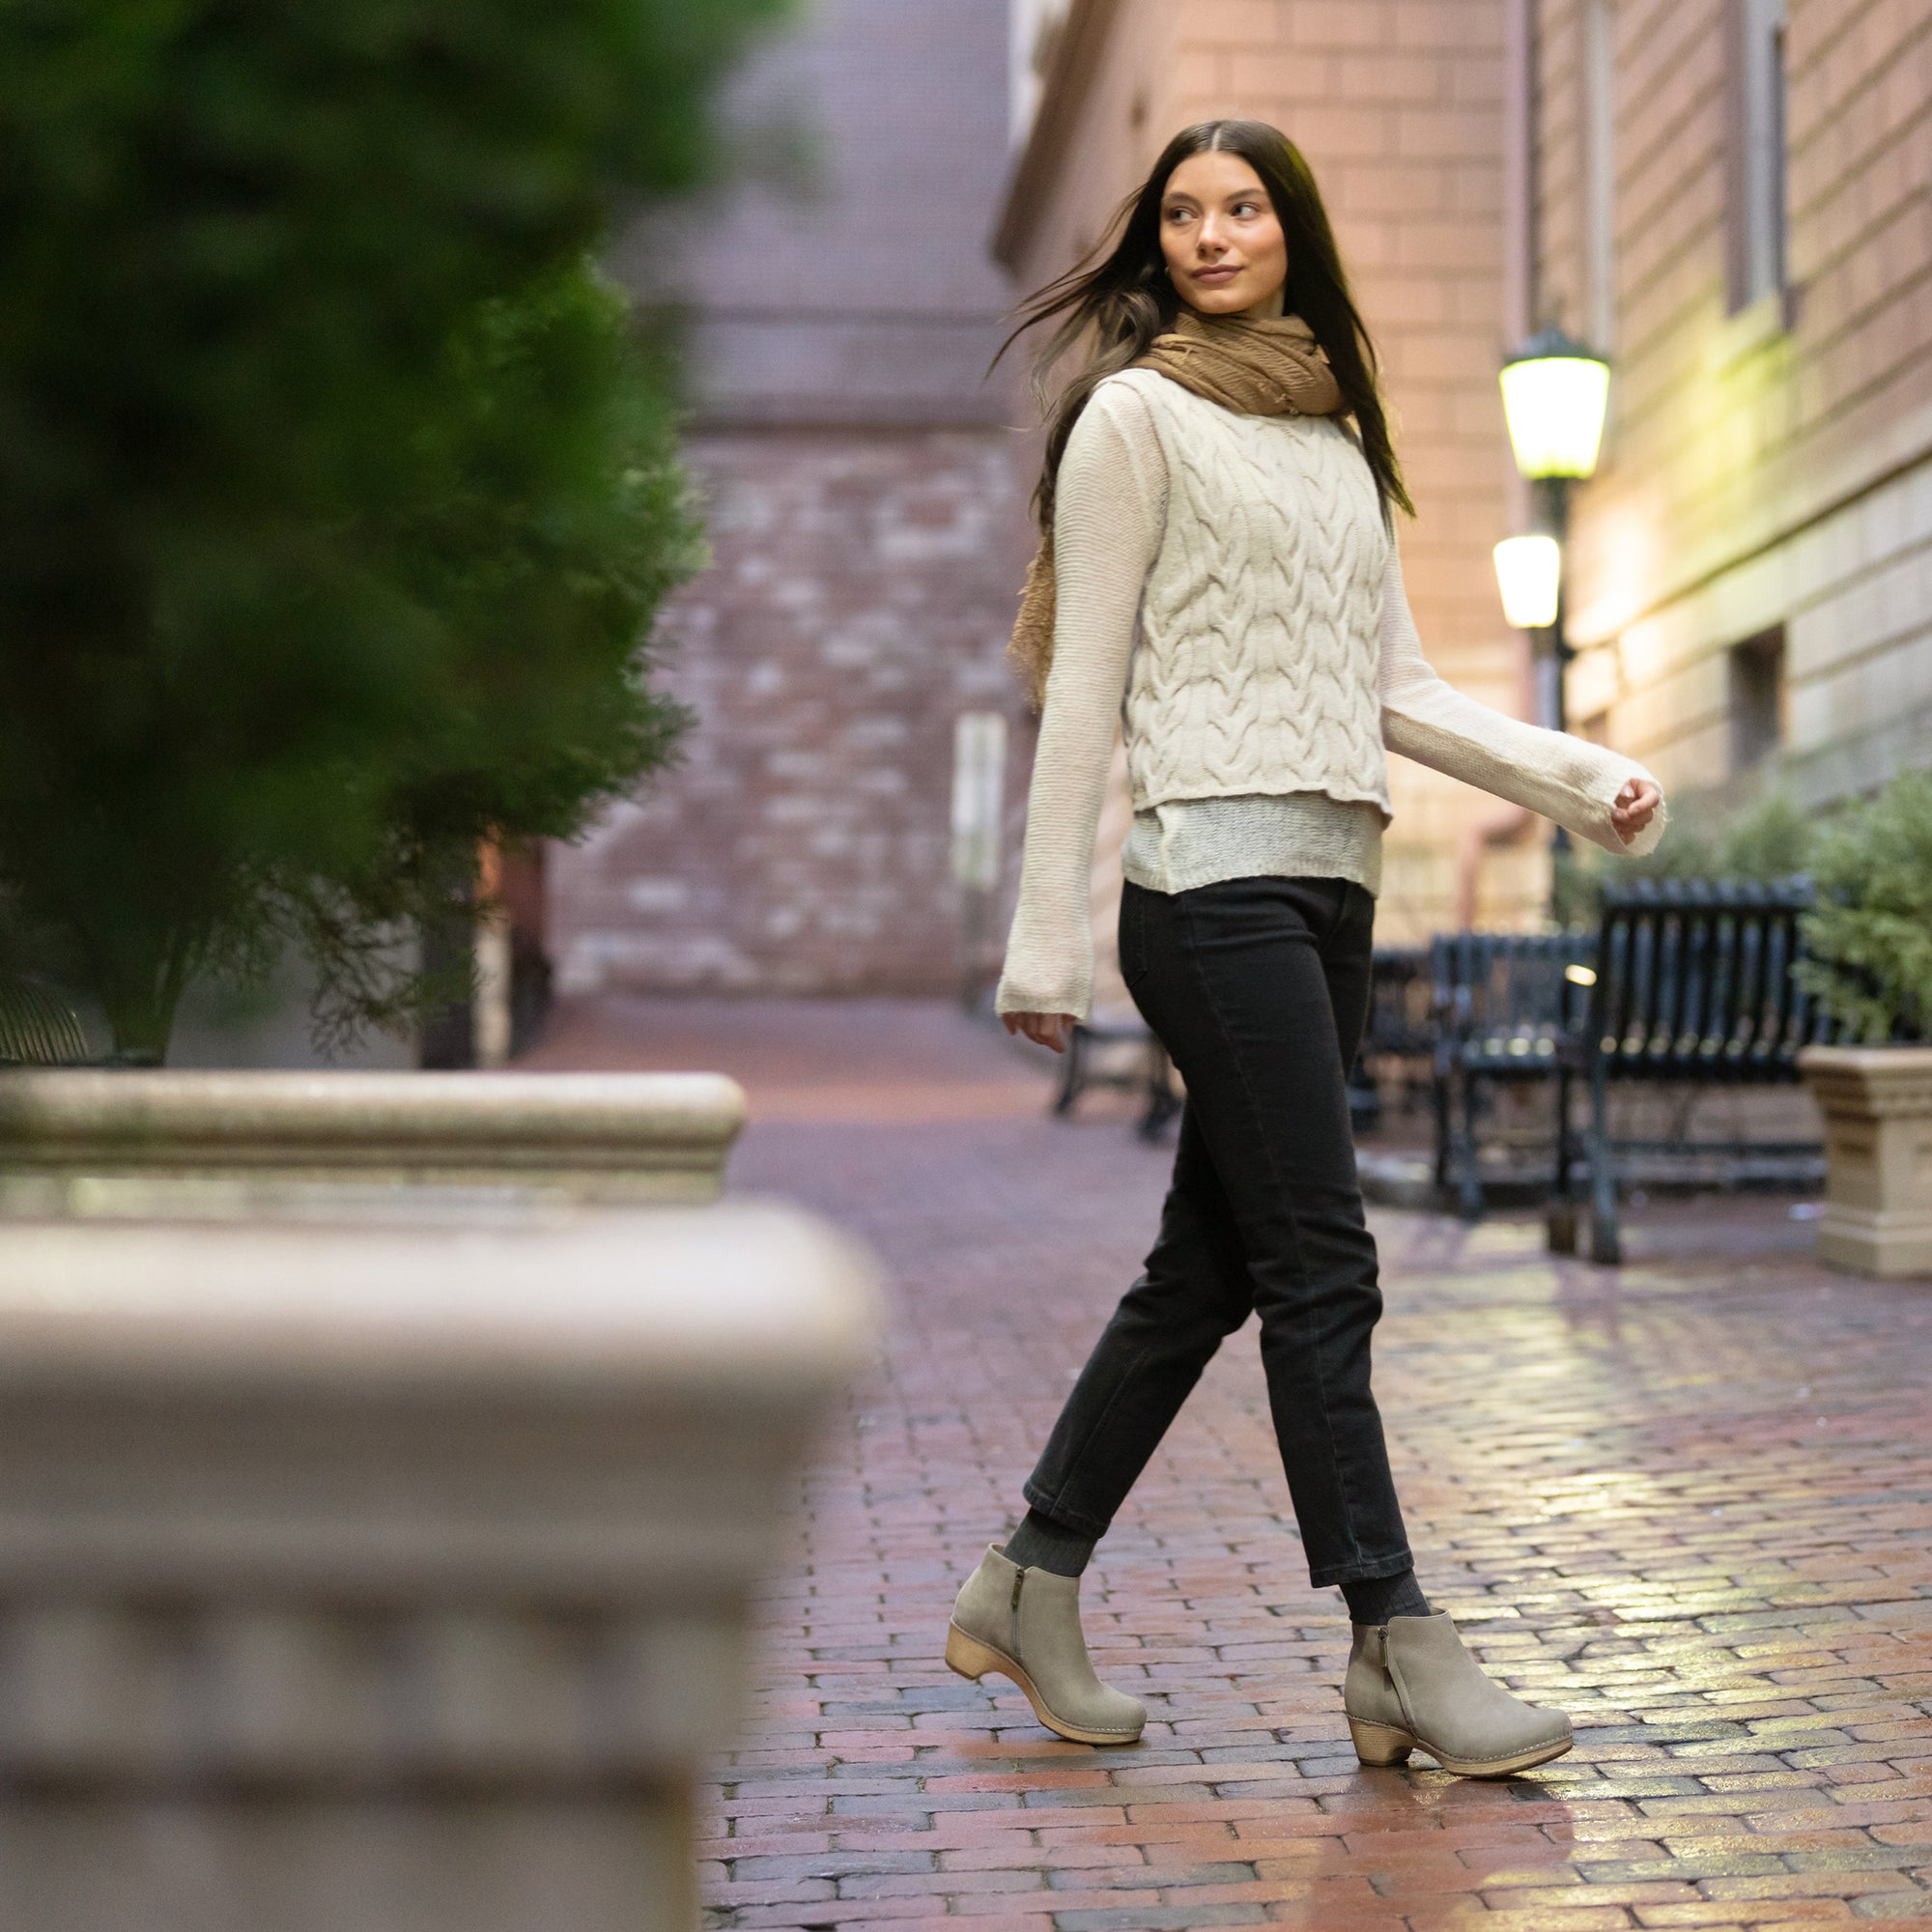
(1254, 368)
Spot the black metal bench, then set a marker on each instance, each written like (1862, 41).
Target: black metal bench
(1398, 1038)
(1399, 1027)
(1692, 987)
(38, 1027)
(1147, 1071)
(1507, 1007)
(1402, 1021)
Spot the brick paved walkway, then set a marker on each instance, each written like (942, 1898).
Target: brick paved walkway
(1690, 1499)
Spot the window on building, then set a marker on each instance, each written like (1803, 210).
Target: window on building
(1758, 176)
(979, 797)
(1757, 699)
(1599, 163)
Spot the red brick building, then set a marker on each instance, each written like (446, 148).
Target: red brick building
(1735, 198)
(868, 526)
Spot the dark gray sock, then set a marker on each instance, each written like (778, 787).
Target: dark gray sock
(1041, 1544)
(1377, 1599)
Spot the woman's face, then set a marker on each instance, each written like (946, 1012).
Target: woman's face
(1226, 254)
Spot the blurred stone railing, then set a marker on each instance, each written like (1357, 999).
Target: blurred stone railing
(381, 1496)
(390, 1577)
(89, 1142)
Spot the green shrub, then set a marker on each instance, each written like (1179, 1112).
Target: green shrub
(1773, 839)
(336, 497)
(1870, 936)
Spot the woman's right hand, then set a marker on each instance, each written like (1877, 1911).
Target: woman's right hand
(1052, 1029)
(1636, 805)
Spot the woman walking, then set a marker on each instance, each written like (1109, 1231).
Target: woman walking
(1219, 575)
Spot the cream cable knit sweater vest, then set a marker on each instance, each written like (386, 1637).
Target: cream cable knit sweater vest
(1252, 622)
(1229, 595)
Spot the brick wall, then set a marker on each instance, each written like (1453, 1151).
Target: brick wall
(1773, 466)
(861, 598)
(1399, 106)
(868, 540)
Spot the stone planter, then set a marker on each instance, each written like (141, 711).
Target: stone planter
(390, 1576)
(1877, 1103)
(86, 1142)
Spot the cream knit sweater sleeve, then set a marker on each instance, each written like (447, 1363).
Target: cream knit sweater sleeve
(1110, 511)
(1565, 778)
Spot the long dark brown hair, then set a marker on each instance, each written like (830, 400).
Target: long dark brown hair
(1126, 300)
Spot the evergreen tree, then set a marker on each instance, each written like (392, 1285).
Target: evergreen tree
(336, 495)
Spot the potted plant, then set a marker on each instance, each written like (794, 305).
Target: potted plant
(1870, 946)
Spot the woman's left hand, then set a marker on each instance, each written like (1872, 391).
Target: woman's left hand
(1634, 808)
(1052, 1029)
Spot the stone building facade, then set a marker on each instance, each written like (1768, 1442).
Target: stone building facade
(1403, 108)
(1736, 195)
(868, 530)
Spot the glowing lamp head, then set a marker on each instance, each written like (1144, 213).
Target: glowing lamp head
(1556, 394)
(1529, 571)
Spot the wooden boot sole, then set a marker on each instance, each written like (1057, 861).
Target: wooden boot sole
(971, 1658)
(1499, 1766)
(1384, 1745)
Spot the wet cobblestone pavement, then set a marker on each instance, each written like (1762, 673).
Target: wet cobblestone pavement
(1690, 1499)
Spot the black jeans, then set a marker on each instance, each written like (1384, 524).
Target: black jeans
(1259, 989)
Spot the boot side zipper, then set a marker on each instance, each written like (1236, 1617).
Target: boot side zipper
(1019, 1577)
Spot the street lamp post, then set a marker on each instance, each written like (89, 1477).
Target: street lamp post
(1553, 653)
(1556, 395)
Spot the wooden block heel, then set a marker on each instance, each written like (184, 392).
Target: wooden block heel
(1380, 1744)
(971, 1658)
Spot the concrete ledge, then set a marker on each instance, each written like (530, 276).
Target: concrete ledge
(82, 1141)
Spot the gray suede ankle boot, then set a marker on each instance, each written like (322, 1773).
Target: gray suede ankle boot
(1025, 1624)
(1410, 1683)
